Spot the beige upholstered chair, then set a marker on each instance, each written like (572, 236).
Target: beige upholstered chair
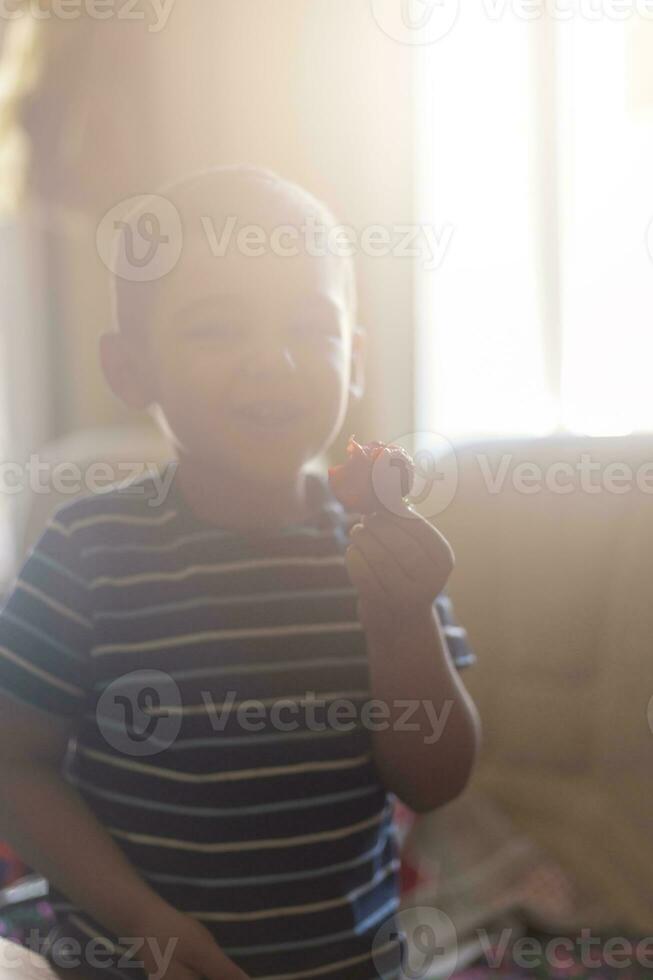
(556, 592)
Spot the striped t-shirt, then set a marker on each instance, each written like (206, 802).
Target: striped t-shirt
(217, 681)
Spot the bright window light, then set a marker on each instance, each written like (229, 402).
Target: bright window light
(532, 149)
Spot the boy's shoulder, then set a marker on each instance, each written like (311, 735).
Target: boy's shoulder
(148, 504)
(142, 499)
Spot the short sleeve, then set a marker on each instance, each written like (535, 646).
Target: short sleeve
(46, 626)
(456, 637)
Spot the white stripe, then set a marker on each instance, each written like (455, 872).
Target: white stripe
(123, 519)
(249, 598)
(272, 843)
(187, 639)
(304, 803)
(43, 674)
(57, 606)
(329, 968)
(390, 834)
(330, 765)
(225, 707)
(388, 908)
(455, 631)
(56, 525)
(185, 539)
(219, 741)
(330, 903)
(231, 566)
(260, 667)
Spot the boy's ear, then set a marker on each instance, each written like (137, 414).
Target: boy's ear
(358, 351)
(126, 371)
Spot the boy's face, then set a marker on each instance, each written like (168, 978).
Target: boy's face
(250, 358)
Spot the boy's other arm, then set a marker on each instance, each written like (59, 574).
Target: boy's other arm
(47, 822)
(54, 831)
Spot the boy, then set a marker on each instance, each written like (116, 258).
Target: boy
(216, 804)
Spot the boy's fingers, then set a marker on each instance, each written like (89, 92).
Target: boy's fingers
(381, 560)
(402, 546)
(398, 587)
(365, 581)
(422, 531)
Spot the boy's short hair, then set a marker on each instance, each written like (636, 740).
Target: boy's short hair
(131, 296)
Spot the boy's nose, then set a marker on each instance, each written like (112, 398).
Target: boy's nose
(269, 359)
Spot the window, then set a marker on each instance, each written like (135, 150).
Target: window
(536, 145)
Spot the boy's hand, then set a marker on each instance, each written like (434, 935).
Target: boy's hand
(398, 564)
(194, 955)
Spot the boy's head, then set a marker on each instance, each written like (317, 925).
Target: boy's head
(248, 348)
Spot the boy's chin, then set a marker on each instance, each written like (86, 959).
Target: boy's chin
(269, 466)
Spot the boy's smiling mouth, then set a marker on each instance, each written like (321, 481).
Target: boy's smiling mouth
(268, 414)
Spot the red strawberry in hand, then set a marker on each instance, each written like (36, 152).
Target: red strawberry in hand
(375, 475)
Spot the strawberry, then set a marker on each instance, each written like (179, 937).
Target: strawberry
(375, 475)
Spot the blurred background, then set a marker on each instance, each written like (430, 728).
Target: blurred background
(519, 334)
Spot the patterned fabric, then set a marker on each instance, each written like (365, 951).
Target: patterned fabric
(547, 956)
(152, 629)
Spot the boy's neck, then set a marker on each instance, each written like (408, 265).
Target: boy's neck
(220, 497)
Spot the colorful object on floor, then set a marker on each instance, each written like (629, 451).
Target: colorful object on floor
(413, 873)
(563, 957)
(375, 475)
(21, 922)
(11, 867)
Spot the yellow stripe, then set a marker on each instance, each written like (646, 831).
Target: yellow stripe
(322, 970)
(226, 777)
(232, 634)
(43, 674)
(122, 519)
(330, 903)
(249, 845)
(231, 566)
(227, 706)
(38, 594)
(58, 526)
(182, 539)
